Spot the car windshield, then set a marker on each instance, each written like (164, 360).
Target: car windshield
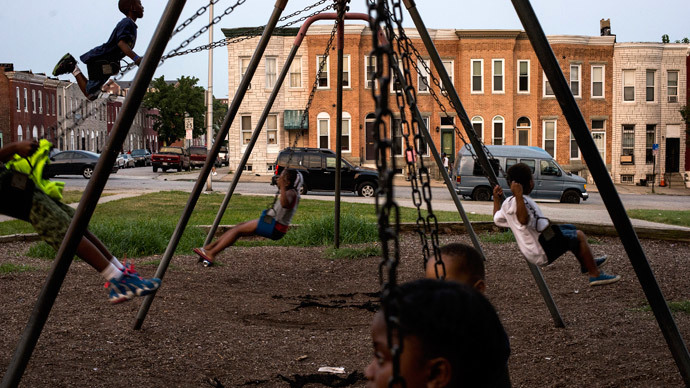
(171, 150)
(92, 154)
(138, 152)
(198, 151)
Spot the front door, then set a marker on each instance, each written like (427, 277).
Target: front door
(369, 136)
(448, 144)
(672, 154)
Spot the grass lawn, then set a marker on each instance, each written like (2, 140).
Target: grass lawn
(672, 217)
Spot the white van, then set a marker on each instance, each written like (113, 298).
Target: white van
(551, 182)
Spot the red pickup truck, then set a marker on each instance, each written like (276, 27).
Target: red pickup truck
(171, 158)
(197, 155)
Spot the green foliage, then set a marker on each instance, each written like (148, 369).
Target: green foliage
(219, 111)
(672, 217)
(676, 307)
(497, 238)
(7, 268)
(685, 112)
(351, 253)
(319, 231)
(665, 38)
(173, 101)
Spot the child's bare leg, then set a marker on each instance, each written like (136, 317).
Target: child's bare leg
(98, 244)
(81, 81)
(584, 255)
(230, 237)
(92, 255)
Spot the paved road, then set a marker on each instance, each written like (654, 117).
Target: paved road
(143, 179)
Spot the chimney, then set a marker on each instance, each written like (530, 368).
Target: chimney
(7, 66)
(605, 27)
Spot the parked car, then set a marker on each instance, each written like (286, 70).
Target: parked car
(125, 161)
(197, 155)
(223, 156)
(75, 162)
(171, 158)
(142, 157)
(317, 166)
(551, 182)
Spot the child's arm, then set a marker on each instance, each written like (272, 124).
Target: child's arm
(521, 209)
(498, 193)
(22, 148)
(129, 52)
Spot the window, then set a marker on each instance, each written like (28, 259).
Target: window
(369, 71)
(649, 92)
(423, 76)
(574, 151)
(628, 144)
(549, 137)
(395, 84)
(272, 130)
(59, 107)
(531, 163)
(346, 71)
(246, 129)
(478, 126)
(423, 146)
(324, 122)
(271, 72)
(312, 160)
(20, 133)
(523, 76)
(477, 75)
(322, 71)
(548, 167)
(448, 65)
(52, 99)
(40, 101)
(33, 101)
(244, 64)
(296, 73)
(19, 101)
(598, 81)
(599, 136)
(627, 178)
(497, 85)
(672, 90)
(396, 135)
(628, 85)
(575, 77)
(498, 130)
(523, 128)
(548, 92)
(345, 135)
(650, 140)
(26, 100)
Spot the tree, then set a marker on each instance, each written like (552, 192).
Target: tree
(685, 112)
(219, 111)
(665, 38)
(174, 102)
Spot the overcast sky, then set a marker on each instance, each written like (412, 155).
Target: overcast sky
(39, 32)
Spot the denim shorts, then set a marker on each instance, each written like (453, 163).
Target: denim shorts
(93, 86)
(570, 234)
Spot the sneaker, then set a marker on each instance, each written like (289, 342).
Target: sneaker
(599, 261)
(128, 286)
(65, 65)
(215, 173)
(603, 278)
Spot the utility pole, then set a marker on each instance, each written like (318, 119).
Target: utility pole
(209, 98)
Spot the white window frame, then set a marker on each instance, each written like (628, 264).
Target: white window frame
(33, 100)
(555, 136)
(347, 70)
(545, 81)
(593, 81)
(243, 70)
(578, 72)
(19, 100)
(272, 147)
(274, 74)
(347, 131)
(449, 65)
(673, 96)
(647, 86)
(498, 119)
(520, 128)
(481, 76)
(323, 116)
(369, 83)
(20, 133)
(294, 71)
(392, 83)
(244, 130)
(26, 100)
(40, 102)
(519, 76)
(602, 130)
(624, 78)
(421, 86)
(572, 139)
(503, 77)
(325, 70)
(479, 120)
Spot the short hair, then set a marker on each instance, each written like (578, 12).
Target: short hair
(520, 173)
(467, 259)
(291, 174)
(126, 5)
(455, 321)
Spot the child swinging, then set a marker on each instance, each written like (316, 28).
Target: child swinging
(273, 223)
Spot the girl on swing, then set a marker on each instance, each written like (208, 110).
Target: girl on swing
(273, 223)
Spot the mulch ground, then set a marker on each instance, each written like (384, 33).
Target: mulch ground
(270, 317)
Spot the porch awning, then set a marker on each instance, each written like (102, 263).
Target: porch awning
(292, 120)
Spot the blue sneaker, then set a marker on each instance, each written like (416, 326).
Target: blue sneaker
(603, 279)
(599, 261)
(129, 285)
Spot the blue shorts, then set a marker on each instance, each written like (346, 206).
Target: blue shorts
(570, 233)
(93, 86)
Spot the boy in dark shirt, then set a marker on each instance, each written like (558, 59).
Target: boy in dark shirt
(104, 60)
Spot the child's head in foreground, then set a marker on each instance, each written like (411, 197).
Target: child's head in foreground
(522, 174)
(133, 6)
(463, 264)
(452, 338)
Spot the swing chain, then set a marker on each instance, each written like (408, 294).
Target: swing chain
(189, 21)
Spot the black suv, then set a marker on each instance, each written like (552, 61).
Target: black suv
(317, 166)
(141, 157)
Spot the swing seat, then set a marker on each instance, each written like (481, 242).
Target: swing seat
(266, 225)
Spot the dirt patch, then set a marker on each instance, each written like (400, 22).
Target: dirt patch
(270, 317)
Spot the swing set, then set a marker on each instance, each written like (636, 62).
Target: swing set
(391, 48)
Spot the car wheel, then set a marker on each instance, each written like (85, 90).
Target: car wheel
(87, 172)
(571, 196)
(179, 169)
(481, 194)
(303, 189)
(189, 168)
(155, 169)
(367, 189)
